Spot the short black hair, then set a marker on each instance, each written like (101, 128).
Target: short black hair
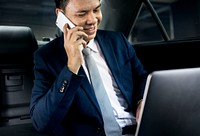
(61, 3)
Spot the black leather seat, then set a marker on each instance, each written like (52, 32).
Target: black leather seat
(17, 44)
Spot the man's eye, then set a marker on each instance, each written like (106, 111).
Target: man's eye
(81, 14)
(96, 10)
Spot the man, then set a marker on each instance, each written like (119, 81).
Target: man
(63, 101)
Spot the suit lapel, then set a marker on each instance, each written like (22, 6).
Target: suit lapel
(89, 90)
(110, 58)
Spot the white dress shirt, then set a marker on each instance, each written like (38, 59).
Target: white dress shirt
(118, 103)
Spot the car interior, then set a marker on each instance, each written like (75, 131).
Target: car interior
(17, 47)
(19, 42)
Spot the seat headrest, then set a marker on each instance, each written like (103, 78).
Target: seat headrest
(16, 42)
(16, 39)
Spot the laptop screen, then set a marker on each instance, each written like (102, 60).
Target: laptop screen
(171, 104)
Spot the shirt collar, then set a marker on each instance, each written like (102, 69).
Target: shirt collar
(92, 45)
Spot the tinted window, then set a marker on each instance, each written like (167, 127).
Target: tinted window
(181, 19)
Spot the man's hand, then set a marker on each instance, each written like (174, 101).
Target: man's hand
(138, 110)
(73, 39)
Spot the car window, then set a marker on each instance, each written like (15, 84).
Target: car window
(180, 18)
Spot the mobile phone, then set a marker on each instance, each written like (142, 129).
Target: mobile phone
(62, 20)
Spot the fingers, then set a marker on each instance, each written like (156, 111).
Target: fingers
(138, 111)
(77, 35)
(74, 35)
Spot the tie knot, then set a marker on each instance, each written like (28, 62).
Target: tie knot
(86, 51)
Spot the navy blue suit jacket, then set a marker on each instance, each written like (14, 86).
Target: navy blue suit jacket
(63, 103)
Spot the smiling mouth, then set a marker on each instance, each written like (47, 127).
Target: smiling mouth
(90, 31)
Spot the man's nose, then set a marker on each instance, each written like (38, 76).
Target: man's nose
(91, 19)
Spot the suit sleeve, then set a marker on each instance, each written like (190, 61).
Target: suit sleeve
(51, 99)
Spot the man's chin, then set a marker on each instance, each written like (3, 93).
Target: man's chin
(90, 38)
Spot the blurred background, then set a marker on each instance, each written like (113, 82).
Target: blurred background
(181, 19)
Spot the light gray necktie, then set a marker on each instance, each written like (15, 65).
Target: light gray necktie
(111, 126)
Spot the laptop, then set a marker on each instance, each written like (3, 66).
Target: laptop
(171, 104)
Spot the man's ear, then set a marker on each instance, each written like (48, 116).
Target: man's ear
(57, 10)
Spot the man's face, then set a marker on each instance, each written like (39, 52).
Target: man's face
(85, 13)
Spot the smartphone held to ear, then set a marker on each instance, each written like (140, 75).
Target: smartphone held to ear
(62, 20)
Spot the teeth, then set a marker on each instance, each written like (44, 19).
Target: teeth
(90, 29)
